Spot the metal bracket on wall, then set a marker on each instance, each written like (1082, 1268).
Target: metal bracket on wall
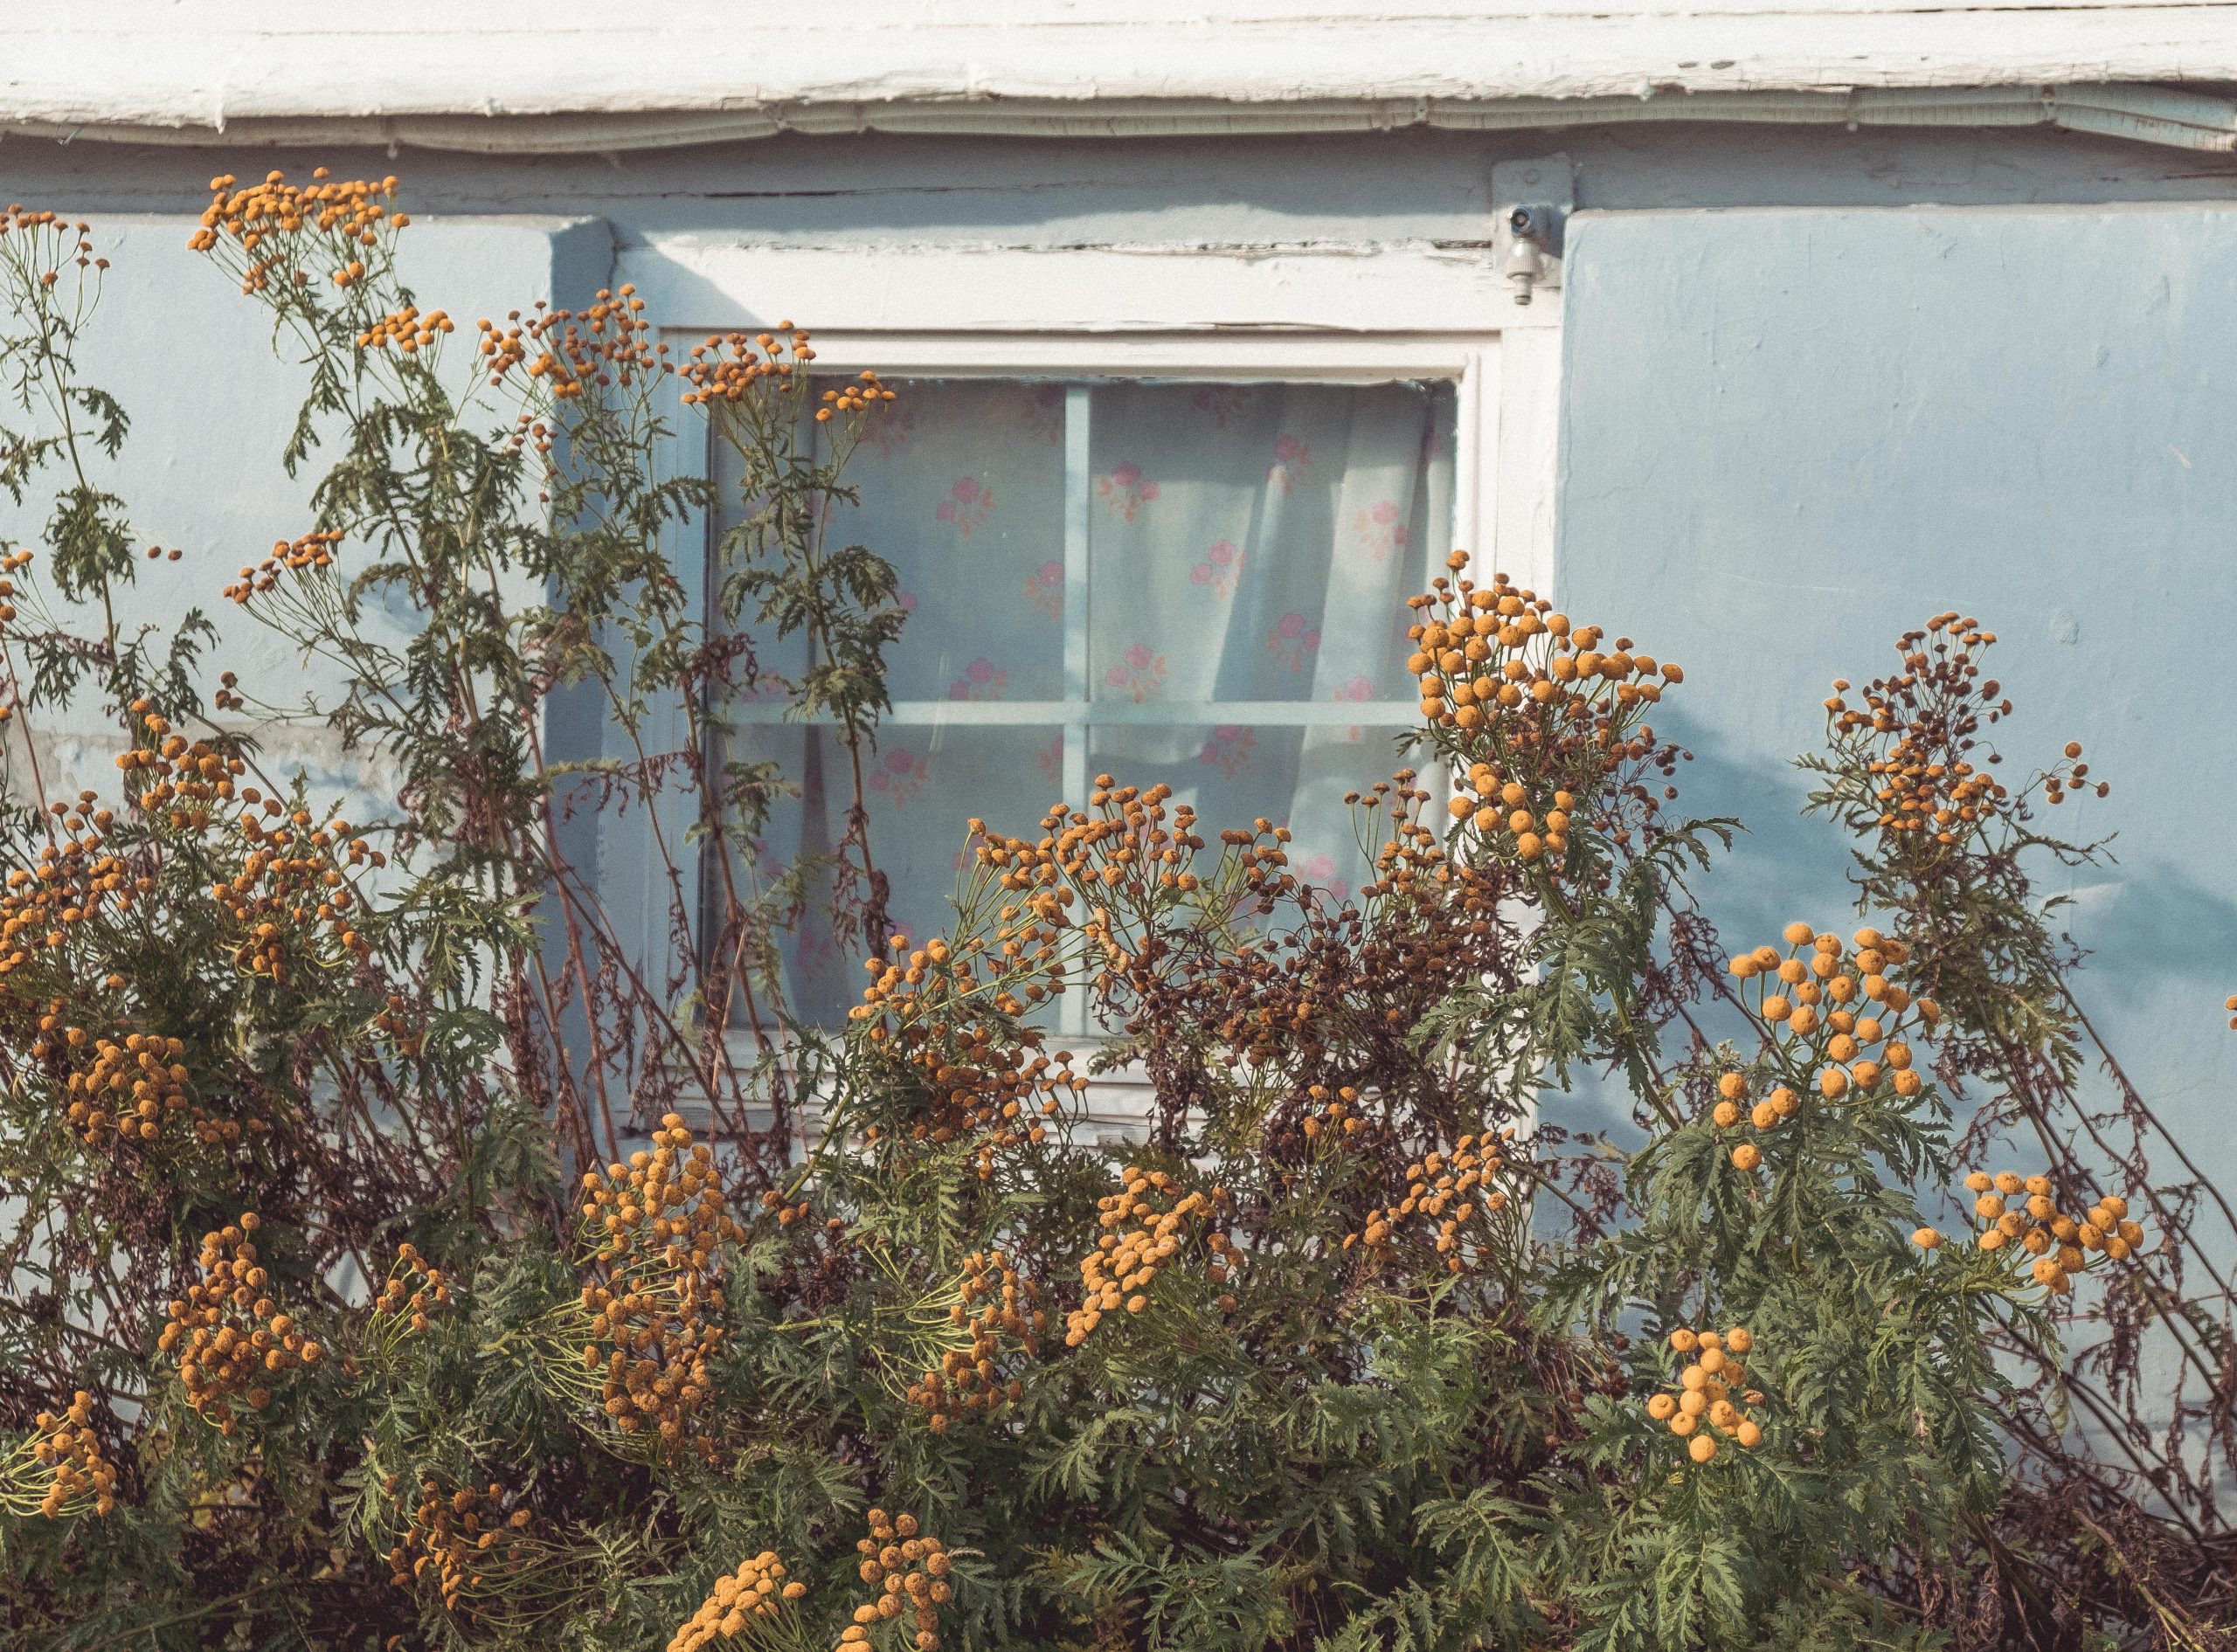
(1531, 203)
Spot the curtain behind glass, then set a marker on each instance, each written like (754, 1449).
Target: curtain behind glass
(1246, 542)
(1258, 542)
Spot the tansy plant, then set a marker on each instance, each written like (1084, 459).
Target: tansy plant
(403, 1254)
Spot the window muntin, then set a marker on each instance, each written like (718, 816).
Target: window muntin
(1199, 582)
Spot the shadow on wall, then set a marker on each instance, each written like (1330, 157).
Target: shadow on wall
(1789, 436)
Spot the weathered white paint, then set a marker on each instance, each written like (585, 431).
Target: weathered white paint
(209, 67)
(1347, 287)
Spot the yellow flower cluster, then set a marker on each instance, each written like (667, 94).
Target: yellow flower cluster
(1500, 807)
(1452, 1191)
(1337, 1113)
(1144, 1224)
(63, 239)
(945, 1013)
(273, 221)
(1706, 1392)
(132, 1086)
(858, 398)
(68, 1453)
(9, 564)
(1542, 709)
(75, 880)
(180, 781)
(2025, 1212)
(1835, 1018)
(657, 1225)
(909, 1572)
(464, 1539)
(969, 1379)
(571, 351)
(752, 1591)
(1924, 722)
(231, 1337)
(413, 1286)
(409, 330)
(291, 898)
(312, 551)
(977, 1075)
(726, 367)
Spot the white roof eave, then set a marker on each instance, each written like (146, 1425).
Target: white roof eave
(502, 76)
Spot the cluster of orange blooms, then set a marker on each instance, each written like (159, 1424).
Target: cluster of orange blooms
(904, 989)
(727, 366)
(394, 1019)
(909, 1572)
(1410, 857)
(788, 1211)
(657, 1226)
(1126, 841)
(1705, 1393)
(573, 350)
(1449, 1191)
(69, 1451)
(1144, 1224)
(132, 1086)
(1828, 1010)
(968, 1378)
(231, 1337)
(981, 1077)
(2062, 1245)
(413, 1286)
(267, 220)
(751, 1592)
(858, 398)
(410, 329)
(1921, 723)
(180, 781)
(291, 886)
(463, 1538)
(312, 551)
(1528, 696)
(75, 880)
(2069, 779)
(1500, 806)
(1338, 1113)
(568, 351)
(979, 1074)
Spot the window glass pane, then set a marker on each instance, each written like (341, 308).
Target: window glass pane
(920, 786)
(961, 485)
(1258, 542)
(1233, 774)
(1248, 552)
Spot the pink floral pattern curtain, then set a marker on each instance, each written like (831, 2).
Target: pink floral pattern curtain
(1248, 551)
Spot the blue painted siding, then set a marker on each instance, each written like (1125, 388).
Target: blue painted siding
(1788, 435)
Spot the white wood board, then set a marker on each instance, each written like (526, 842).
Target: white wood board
(208, 64)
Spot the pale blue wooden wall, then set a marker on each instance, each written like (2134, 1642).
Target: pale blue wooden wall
(1788, 435)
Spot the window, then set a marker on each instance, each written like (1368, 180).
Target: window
(1116, 335)
(1195, 581)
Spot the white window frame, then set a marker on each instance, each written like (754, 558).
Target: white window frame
(1358, 315)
